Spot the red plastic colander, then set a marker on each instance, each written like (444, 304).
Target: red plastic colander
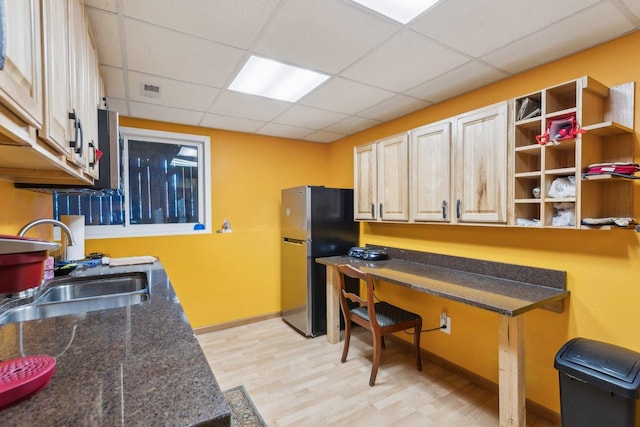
(24, 376)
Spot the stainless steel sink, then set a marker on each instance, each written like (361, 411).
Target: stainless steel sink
(73, 288)
(75, 295)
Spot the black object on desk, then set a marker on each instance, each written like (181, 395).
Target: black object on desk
(368, 253)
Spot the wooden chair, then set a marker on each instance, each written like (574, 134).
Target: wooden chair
(381, 318)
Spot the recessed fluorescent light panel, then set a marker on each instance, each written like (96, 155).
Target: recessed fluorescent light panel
(265, 77)
(402, 11)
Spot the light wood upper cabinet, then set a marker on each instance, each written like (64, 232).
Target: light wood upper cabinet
(93, 99)
(55, 24)
(365, 182)
(480, 165)
(21, 78)
(50, 70)
(78, 81)
(382, 180)
(393, 178)
(430, 171)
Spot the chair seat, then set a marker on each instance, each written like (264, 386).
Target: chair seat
(386, 314)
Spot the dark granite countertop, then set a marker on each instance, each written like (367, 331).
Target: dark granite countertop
(138, 365)
(503, 288)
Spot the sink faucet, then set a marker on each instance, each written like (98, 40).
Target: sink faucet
(63, 227)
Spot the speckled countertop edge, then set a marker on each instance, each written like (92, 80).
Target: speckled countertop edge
(487, 289)
(138, 365)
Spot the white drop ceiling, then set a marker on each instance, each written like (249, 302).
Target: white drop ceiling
(379, 69)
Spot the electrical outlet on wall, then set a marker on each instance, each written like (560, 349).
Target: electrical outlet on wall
(446, 321)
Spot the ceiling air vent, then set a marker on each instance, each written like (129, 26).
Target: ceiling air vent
(149, 90)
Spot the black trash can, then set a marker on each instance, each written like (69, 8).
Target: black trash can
(599, 384)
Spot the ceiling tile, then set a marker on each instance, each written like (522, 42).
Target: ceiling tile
(325, 35)
(165, 114)
(394, 107)
(113, 79)
(479, 27)
(308, 117)
(217, 121)
(345, 96)
(403, 62)
(119, 105)
(634, 7)
(106, 35)
(174, 93)
(379, 68)
(108, 5)
(323, 136)
(238, 104)
(209, 19)
(284, 131)
(469, 76)
(158, 51)
(569, 36)
(352, 124)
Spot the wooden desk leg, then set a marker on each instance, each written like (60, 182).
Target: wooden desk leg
(333, 305)
(511, 372)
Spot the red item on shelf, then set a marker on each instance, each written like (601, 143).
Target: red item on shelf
(618, 167)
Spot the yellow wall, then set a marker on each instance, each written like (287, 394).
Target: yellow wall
(21, 206)
(603, 268)
(225, 277)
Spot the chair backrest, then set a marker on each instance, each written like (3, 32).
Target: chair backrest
(368, 301)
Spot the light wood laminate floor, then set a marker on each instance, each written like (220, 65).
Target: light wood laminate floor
(298, 381)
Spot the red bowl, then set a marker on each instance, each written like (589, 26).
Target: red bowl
(21, 271)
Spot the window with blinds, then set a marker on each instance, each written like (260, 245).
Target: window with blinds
(166, 189)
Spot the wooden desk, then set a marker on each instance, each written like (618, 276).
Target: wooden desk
(506, 289)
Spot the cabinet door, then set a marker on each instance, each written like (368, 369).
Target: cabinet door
(365, 182)
(92, 99)
(393, 178)
(78, 79)
(21, 78)
(481, 165)
(55, 41)
(430, 154)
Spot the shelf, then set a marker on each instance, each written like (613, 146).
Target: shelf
(532, 147)
(523, 201)
(560, 200)
(532, 123)
(561, 99)
(608, 176)
(606, 129)
(560, 113)
(589, 84)
(561, 171)
(530, 175)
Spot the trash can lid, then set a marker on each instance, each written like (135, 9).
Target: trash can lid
(611, 367)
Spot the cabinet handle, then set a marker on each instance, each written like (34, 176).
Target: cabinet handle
(380, 210)
(92, 159)
(78, 142)
(458, 208)
(373, 210)
(444, 209)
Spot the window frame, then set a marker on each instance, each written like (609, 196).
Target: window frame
(203, 144)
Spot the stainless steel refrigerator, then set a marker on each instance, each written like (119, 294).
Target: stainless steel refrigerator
(316, 222)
